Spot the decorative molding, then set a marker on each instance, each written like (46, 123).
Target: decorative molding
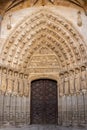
(48, 29)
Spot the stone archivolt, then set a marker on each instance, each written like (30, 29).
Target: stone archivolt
(44, 28)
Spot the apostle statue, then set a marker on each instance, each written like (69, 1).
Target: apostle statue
(4, 80)
(61, 85)
(10, 81)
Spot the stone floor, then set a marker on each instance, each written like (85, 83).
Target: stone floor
(41, 127)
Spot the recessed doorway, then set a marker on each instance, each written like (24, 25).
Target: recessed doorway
(44, 108)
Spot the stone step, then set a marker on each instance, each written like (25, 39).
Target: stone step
(41, 127)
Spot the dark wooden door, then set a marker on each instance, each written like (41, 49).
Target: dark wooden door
(44, 102)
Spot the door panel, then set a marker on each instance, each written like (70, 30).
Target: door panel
(44, 102)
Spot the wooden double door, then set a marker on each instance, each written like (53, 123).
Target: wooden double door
(44, 108)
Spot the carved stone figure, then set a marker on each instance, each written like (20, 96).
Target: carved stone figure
(61, 85)
(15, 87)
(10, 81)
(66, 84)
(21, 85)
(26, 86)
(4, 80)
(79, 20)
(71, 81)
(83, 78)
(77, 81)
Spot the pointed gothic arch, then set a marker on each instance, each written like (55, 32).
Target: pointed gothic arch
(44, 27)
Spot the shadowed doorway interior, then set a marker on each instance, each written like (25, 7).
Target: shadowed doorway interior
(44, 108)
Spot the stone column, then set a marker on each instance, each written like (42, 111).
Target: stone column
(66, 93)
(26, 94)
(61, 94)
(15, 93)
(1, 97)
(58, 98)
(77, 89)
(72, 91)
(29, 102)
